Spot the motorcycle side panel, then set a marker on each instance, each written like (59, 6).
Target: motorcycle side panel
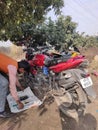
(71, 63)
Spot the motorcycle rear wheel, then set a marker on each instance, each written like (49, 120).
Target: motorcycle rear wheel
(82, 98)
(73, 103)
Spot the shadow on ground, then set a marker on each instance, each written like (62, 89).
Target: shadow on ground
(87, 122)
(17, 120)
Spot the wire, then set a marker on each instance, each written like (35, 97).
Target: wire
(71, 9)
(81, 12)
(87, 10)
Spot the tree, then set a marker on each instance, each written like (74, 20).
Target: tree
(16, 13)
(54, 32)
(61, 31)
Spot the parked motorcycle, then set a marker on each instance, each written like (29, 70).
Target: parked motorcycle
(56, 62)
(77, 87)
(66, 80)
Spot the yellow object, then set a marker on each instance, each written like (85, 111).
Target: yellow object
(75, 54)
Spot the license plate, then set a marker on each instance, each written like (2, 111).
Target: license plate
(86, 82)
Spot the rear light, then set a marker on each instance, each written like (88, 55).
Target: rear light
(85, 75)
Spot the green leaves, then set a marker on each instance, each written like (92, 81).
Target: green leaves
(15, 13)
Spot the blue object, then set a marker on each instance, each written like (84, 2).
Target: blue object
(45, 70)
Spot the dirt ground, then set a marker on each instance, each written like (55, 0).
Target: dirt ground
(49, 117)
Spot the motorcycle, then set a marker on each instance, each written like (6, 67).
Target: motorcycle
(77, 89)
(67, 81)
(56, 62)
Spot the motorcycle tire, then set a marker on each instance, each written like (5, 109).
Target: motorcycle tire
(76, 104)
(64, 103)
(82, 98)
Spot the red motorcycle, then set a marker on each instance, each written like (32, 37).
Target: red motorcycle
(69, 84)
(70, 63)
(57, 65)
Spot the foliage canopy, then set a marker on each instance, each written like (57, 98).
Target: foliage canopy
(24, 20)
(16, 13)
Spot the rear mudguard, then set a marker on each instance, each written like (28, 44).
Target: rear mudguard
(77, 73)
(90, 92)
